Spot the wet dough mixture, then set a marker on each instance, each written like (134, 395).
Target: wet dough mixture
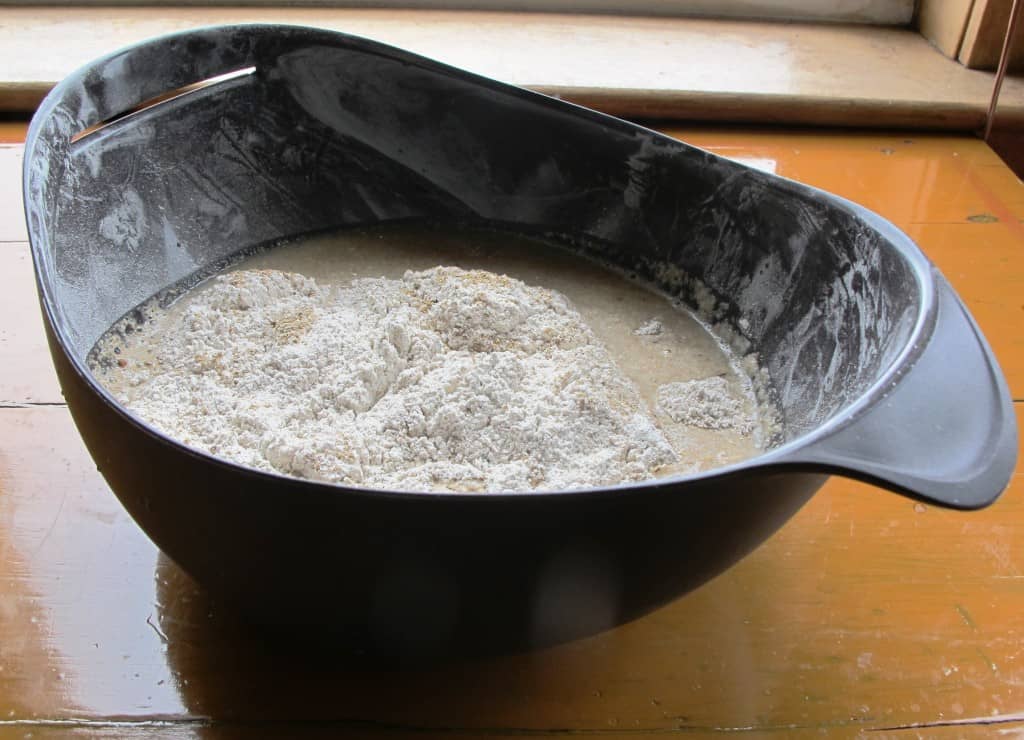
(331, 360)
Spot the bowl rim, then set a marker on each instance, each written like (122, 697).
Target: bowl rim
(778, 457)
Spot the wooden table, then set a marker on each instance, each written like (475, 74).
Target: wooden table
(867, 614)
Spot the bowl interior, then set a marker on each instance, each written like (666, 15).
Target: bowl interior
(322, 132)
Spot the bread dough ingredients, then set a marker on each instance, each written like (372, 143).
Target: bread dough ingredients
(652, 328)
(445, 379)
(350, 357)
(708, 403)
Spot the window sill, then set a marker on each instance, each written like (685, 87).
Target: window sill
(687, 69)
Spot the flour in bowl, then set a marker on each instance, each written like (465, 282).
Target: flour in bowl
(447, 378)
(708, 403)
(440, 378)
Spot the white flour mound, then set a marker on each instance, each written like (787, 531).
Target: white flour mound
(651, 328)
(707, 403)
(444, 380)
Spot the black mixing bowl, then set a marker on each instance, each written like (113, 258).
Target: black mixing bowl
(880, 372)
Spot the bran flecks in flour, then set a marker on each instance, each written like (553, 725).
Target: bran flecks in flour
(446, 379)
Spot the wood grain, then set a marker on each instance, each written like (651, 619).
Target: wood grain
(943, 22)
(867, 615)
(26, 373)
(985, 34)
(12, 218)
(865, 611)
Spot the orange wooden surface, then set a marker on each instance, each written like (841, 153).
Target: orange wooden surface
(866, 615)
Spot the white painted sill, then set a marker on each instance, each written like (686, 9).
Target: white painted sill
(638, 67)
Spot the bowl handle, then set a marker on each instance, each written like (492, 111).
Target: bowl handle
(945, 432)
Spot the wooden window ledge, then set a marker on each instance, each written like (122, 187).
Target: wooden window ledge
(640, 67)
